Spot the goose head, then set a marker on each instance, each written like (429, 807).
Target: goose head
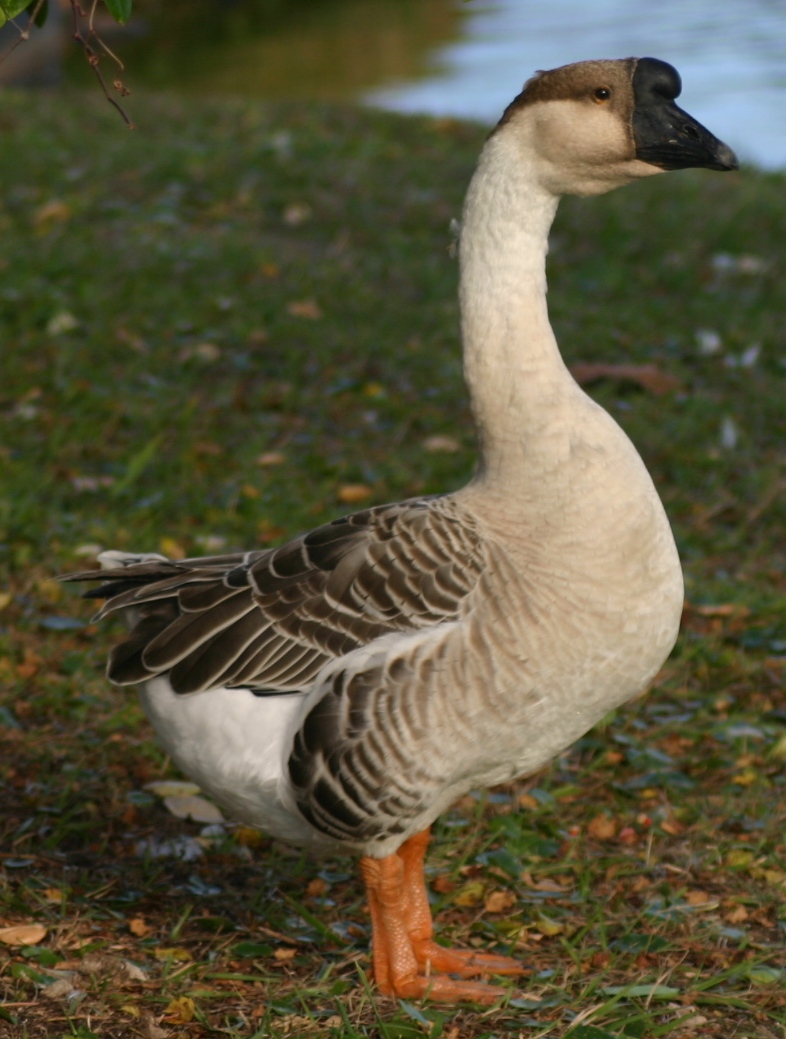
(586, 128)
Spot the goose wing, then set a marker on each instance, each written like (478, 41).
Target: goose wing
(270, 620)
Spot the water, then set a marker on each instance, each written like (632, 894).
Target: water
(731, 55)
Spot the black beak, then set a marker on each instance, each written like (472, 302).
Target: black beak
(666, 136)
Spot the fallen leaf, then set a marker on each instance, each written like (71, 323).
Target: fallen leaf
(211, 543)
(49, 590)
(316, 888)
(271, 458)
(697, 898)
(499, 901)
(176, 953)
(171, 548)
(248, 837)
(59, 988)
(441, 445)
(151, 1029)
(51, 213)
(194, 807)
(305, 308)
(708, 341)
(549, 927)
(672, 826)
(60, 323)
(353, 493)
(763, 975)
(138, 927)
(443, 884)
(28, 667)
(547, 884)
(737, 915)
(207, 447)
(738, 858)
(91, 483)
(22, 934)
(778, 749)
(180, 1011)
(726, 609)
(283, 955)
(648, 376)
(528, 801)
(5, 599)
(53, 894)
(470, 895)
(775, 876)
(201, 351)
(134, 972)
(602, 827)
(296, 213)
(131, 339)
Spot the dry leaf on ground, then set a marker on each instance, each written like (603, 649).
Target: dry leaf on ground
(138, 927)
(306, 308)
(602, 827)
(271, 458)
(499, 901)
(441, 445)
(180, 1011)
(194, 807)
(648, 376)
(22, 934)
(353, 493)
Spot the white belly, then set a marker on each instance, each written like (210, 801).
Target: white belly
(235, 745)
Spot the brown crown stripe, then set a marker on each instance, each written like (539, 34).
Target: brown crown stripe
(571, 82)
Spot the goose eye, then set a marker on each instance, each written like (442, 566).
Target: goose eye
(602, 94)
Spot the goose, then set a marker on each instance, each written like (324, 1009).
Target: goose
(342, 690)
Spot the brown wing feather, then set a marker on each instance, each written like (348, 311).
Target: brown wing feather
(270, 620)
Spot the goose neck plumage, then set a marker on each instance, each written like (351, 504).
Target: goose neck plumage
(517, 381)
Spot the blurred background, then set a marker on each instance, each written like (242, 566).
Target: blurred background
(463, 58)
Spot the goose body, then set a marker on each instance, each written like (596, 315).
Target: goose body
(341, 691)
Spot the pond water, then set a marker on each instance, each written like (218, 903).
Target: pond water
(465, 58)
(731, 55)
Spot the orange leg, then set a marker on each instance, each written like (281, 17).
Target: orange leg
(420, 926)
(403, 951)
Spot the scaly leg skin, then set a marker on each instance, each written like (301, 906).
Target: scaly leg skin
(403, 952)
(417, 914)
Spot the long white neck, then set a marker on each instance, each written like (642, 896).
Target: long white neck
(515, 374)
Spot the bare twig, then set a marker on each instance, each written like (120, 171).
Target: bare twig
(91, 43)
(93, 59)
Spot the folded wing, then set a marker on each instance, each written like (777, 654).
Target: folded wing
(270, 620)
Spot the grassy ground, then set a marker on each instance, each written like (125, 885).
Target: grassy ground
(228, 327)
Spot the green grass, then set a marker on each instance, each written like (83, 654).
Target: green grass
(151, 353)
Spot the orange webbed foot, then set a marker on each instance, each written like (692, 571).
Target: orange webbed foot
(464, 962)
(440, 989)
